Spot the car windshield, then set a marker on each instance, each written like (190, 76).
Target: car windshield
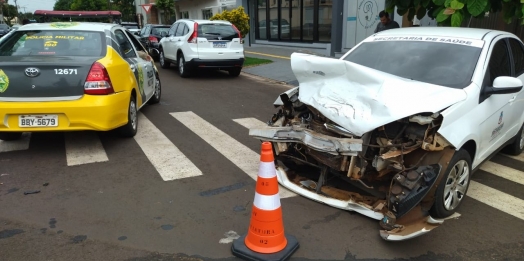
(217, 31)
(444, 64)
(159, 30)
(54, 43)
(4, 26)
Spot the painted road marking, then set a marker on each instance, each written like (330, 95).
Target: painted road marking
(251, 123)
(168, 160)
(503, 172)
(518, 157)
(496, 199)
(243, 157)
(270, 55)
(83, 148)
(21, 144)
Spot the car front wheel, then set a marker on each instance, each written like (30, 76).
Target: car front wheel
(453, 186)
(162, 59)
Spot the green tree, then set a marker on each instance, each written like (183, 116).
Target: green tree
(237, 16)
(89, 5)
(453, 12)
(168, 6)
(9, 12)
(126, 7)
(63, 5)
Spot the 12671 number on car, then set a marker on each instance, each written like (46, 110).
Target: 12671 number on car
(66, 71)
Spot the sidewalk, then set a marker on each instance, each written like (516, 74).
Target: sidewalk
(280, 68)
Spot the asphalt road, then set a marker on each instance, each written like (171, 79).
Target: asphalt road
(177, 189)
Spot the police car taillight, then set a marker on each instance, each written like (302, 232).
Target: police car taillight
(98, 81)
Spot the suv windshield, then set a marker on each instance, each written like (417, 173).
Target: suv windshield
(449, 65)
(217, 31)
(53, 43)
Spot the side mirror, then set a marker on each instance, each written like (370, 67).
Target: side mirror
(505, 85)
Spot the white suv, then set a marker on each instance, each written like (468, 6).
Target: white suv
(193, 44)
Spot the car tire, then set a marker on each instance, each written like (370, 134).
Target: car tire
(10, 136)
(162, 59)
(158, 92)
(235, 72)
(183, 69)
(129, 130)
(453, 186)
(517, 146)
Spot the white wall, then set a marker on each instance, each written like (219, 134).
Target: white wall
(195, 7)
(361, 20)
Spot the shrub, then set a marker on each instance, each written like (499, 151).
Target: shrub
(237, 16)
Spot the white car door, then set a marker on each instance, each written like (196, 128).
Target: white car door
(145, 68)
(497, 114)
(169, 43)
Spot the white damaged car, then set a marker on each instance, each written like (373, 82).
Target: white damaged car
(395, 128)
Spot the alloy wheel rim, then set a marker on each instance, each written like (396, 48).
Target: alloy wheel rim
(456, 185)
(181, 65)
(133, 114)
(157, 89)
(162, 58)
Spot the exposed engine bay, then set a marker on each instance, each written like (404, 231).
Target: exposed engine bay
(389, 173)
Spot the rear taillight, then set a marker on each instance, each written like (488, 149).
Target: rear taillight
(194, 35)
(238, 32)
(98, 81)
(153, 39)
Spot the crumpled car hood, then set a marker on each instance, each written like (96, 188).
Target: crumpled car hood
(361, 99)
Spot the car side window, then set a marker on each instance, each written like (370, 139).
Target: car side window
(180, 30)
(135, 42)
(186, 29)
(499, 63)
(125, 46)
(172, 30)
(517, 49)
(144, 30)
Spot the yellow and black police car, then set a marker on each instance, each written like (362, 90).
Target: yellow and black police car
(69, 76)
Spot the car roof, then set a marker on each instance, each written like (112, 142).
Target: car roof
(83, 26)
(459, 32)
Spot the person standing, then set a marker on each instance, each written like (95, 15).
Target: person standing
(385, 22)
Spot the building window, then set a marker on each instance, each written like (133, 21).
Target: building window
(207, 13)
(184, 15)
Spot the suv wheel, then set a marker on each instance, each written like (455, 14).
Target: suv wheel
(182, 67)
(163, 63)
(235, 72)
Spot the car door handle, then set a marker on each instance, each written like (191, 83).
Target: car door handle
(513, 99)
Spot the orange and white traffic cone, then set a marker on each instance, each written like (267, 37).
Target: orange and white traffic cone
(266, 239)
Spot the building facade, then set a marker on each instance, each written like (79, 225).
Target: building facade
(331, 27)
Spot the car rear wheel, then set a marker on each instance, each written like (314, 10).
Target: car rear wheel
(453, 186)
(162, 59)
(182, 67)
(129, 130)
(234, 72)
(9, 136)
(517, 146)
(158, 92)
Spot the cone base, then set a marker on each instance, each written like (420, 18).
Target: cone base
(239, 249)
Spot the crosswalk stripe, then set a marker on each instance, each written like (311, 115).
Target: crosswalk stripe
(250, 123)
(503, 171)
(168, 160)
(83, 148)
(21, 144)
(497, 199)
(519, 157)
(243, 157)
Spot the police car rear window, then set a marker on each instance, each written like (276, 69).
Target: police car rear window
(54, 43)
